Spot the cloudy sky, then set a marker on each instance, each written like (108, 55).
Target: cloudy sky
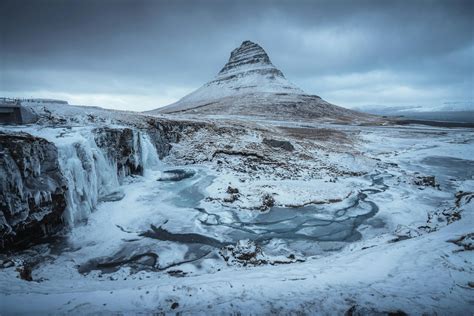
(143, 54)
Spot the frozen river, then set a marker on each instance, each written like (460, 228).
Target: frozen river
(164, 223)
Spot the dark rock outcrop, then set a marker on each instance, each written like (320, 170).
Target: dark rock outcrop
(267, 202)
(32, 189)
(232, 190)
(176, 175)
(163, 134)
(357, 310)
(121, 145)
(283, 144)
(247, 252)
(426, 181)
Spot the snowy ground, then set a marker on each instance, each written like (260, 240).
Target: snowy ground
(348, 227)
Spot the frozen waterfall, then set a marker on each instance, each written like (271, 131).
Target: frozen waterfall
(149, 156)
(91, 175)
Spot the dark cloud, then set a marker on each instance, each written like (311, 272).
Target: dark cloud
(140, 54)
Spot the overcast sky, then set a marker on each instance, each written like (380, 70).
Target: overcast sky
(139, 55)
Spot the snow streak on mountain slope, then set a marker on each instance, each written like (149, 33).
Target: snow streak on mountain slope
(249, 84)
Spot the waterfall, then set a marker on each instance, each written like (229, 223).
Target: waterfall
(91, 174)
(149, 156)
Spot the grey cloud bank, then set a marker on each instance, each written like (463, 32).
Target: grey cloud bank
(138, 55)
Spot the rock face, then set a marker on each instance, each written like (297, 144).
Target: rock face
(249, 84)
(164, 133)
(32, 189)
(249, 69)
(123, 147)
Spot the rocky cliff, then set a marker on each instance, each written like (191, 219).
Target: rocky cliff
(32, 189)
(122, 146)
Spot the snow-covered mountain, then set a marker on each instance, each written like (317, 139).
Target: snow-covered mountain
(249, 84)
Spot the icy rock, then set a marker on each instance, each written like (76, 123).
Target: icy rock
(5, 264)
(248, 57)
(463, 198)
(135, 259)
(32, 189)
(232, 190)
(466, 242)
(176, 175)
(113, 196)
(447, 216)
(267, 202)
(247, 252)
(233, 195)
(404, 232)
(231, 198)
(244, 252)
(426, 181)
(25, 272)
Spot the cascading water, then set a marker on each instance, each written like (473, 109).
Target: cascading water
(89, 175)
(92, 175)
(149, 156)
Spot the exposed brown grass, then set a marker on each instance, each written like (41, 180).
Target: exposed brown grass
(321, 134)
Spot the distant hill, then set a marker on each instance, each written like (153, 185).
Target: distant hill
(444, 113)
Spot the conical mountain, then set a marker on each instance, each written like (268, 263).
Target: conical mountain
(249, 84)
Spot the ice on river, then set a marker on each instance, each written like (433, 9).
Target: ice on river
(191, 227)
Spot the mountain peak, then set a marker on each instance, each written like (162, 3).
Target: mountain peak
(247, 55)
